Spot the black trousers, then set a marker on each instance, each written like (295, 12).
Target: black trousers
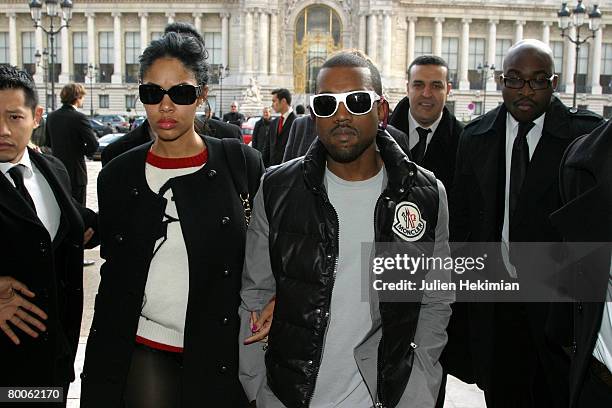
(80, 194)
(154, 379)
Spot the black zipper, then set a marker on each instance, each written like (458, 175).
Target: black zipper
(328, 313)
(379, 402)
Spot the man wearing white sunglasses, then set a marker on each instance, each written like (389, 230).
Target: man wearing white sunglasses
(327, 346)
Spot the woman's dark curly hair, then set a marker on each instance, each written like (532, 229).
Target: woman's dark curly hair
(180, 41)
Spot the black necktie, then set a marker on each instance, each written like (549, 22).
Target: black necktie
(16, 173)
(418, 151)
(519, 165)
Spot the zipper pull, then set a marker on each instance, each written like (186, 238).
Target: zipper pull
(414, 346)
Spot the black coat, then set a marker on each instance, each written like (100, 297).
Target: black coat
(212, 222)
(586, 190)
(71, 137)
(233, 118)
(274, 149)
(261, 132)
(52, 270)
(477, 214)
(141, 135)
(442, 149)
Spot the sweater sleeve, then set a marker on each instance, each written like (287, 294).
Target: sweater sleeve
(258, 287)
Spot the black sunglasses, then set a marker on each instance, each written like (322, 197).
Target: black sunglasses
(183, 94)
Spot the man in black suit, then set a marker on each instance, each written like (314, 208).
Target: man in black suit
(233, 117)
(433, 132)
(71, 137)
(41, 246)
(143, 134)
(261, 131)
(274, 150)
(586, 191)
(505, 188)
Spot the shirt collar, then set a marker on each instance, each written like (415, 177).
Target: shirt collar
(413, 124)
(538, 122)
(286, 114)
(25, 161)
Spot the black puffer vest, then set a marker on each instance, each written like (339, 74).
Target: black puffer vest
(304, 243)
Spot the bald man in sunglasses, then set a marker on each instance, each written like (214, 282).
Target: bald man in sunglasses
(328, 346)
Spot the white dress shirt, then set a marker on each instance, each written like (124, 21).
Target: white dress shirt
(533, 137)
(413, 135)
(603, 345)
(47, 208)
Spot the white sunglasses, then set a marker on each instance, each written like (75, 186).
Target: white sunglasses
(356, 102)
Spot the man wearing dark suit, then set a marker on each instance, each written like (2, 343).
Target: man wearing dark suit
(505, 188)
(41, 246)
(71, 137)
(586, 191)
(233, 117)
(279, 128)
(433, 132)
(142, 134)
(261, 131)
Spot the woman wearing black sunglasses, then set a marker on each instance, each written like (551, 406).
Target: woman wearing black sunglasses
(172, 225)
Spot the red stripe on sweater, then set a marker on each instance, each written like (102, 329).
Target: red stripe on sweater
(177, 162)
(158, 346)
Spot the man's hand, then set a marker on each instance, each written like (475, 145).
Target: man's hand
(13, 308)
(260, 326)
(89, 232)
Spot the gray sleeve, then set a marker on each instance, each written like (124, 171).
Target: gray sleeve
(258, 286)
(430, 337)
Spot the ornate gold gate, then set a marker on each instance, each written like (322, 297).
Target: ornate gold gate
(317, 35)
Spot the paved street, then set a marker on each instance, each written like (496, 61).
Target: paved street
(458, 394)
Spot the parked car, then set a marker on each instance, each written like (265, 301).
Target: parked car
(247, 129)
(105, 141)
(99, 128)
(117, 122)
(137, 122)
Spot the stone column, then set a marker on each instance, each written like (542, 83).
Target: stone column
(570, 61)
(518, 30)
(91, 40)
(39, 75)
(248, 43)
(170, 16)
(387, 45)
(372, 36)
(197, 21)
(596, 62)
(437, 39)
(144, 40)
(117, 77)
(263, 46)
(546, 32)
(65, 58)
(362, 31)
(225, 39)
(13, 38)
(411, 38)
(464, 54)
(492, 48)
(274, 42)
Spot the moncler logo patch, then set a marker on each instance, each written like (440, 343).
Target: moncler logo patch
(409, 225)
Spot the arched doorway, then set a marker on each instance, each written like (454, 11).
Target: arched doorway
(317, 34)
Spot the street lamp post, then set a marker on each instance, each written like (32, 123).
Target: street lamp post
(52, 13)
(577, 18)
(91, 74)
(42, 60)
(484, 74)
(223, 72)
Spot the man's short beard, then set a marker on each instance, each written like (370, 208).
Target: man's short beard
(347, 155)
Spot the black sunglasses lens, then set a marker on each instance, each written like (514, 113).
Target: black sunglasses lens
(183, 94)
(150, 94)
(358, 102)
(324, 105)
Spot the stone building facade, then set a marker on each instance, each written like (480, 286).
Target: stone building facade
(282, 43)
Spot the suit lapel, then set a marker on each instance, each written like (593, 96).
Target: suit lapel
(14, 203)
(440, 141)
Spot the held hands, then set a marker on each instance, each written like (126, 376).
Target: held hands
(16, 309)
(260, 326)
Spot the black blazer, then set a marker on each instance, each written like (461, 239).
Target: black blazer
(261, 132)
(442, 149)
(586, 190)
(477, 210)
(141, 135)
(53, 270)
(275, 148)
(213, 223)
(71, 137)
